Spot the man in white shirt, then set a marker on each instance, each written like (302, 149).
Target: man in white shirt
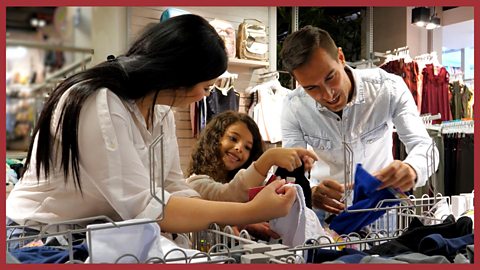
(336, 105)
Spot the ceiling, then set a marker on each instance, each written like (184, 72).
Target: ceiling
(18, 18)
(455, 36)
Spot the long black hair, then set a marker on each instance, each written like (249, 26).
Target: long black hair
(178, 53)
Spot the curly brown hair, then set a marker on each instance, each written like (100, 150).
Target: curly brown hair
(206, 157)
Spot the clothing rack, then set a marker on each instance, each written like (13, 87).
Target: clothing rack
(217, 245)
(401, 51)
(266, 79)
(428, 119)
(395, 54)
(228, 75)
(426, 56)
(368, 62)
(457, 126)
(397, 51)
(429, 58)
(269, 75)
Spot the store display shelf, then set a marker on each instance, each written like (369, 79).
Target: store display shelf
(16, 154)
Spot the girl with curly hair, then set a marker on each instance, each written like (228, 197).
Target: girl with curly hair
(229, 158)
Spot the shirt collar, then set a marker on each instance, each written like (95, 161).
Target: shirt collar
(358, 88)
(159, 113)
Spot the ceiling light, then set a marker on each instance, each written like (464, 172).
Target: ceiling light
(34, 22)
(420, 16)
(433, 23)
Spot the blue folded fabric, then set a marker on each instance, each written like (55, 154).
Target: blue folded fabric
(436, 244)
(321, 255)
(365, 196)
(353, 258)
(47, 254)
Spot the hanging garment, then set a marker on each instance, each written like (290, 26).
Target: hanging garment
(461, 96)
(435, 94)
(459, 163)
(268, 110)
(218, 102)
(198, 116)
(409, 73)
(365, 196)
(465, 166)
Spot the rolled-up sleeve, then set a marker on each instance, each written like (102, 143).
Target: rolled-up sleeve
(422, 155)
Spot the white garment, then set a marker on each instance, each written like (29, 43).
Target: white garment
(143, 241)
(299, 225)
(114, 168)
(268, 110)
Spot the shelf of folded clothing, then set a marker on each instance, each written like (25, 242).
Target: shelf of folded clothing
(247, 63)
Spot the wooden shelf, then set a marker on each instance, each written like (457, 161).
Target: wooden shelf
(16, 154)
(247, 63)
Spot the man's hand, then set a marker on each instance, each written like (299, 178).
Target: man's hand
(308, 163)
(327, 196)
(397, 175)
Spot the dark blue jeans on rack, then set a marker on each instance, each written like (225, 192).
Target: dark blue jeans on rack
(15, 233)
(23, 231)
(47, 254)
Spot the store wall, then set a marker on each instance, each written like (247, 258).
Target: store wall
(417, 37)
(82, 28)
(109, 32)
(389, 28)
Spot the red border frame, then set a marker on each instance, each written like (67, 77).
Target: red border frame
(6, 3)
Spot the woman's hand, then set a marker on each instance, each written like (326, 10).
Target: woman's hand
(273, 201)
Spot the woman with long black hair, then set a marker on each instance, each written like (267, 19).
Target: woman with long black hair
(89, 153)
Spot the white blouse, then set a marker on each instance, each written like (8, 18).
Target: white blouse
(113, 143)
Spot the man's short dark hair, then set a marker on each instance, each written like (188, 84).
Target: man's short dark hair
(299, 46)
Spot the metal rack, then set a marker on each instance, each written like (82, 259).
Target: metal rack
(221, 245)
(214, 245)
